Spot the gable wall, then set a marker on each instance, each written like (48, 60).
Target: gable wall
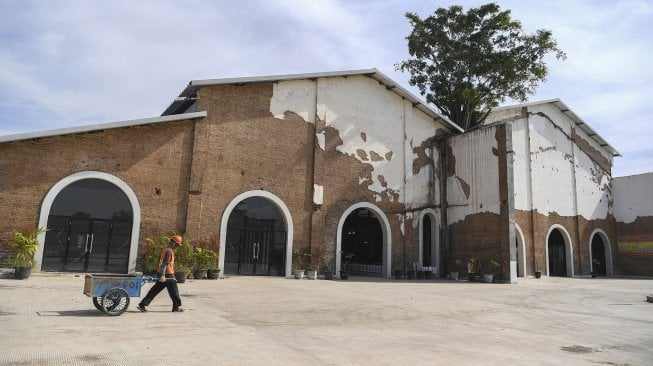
(145, 157)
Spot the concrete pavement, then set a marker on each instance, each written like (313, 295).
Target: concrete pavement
(46, 320)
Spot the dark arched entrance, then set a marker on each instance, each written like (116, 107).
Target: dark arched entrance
(557, 258)
(362, 236)
(598, 255)
(427, 245)
(89, 229)
(256, 239)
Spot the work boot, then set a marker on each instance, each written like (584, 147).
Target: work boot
(142, 308)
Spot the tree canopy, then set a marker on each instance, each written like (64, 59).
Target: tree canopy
(468, 63)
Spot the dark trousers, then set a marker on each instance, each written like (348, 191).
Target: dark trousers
(173, 291)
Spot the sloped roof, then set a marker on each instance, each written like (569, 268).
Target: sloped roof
(572, 116)
(99, 127)
(186, 97)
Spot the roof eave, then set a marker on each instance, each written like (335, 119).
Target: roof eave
(100, 127)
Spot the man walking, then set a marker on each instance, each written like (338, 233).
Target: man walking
(166, 271)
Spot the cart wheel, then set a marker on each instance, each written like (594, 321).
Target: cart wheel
(97, 301)
(115, 301)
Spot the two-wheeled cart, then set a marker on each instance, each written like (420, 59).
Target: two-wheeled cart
(111, 292)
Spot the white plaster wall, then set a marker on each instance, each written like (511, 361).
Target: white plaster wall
(419, 128)
(633, 197)
(296, 96)
(551, 166)
(476, 165)
(593, 191)
(358, 104)
(521, 165)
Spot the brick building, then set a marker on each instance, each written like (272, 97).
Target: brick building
(317, 164)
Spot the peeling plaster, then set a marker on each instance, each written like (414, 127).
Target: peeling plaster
(296, 96)
(632, 197)
(368, 118)
(321, 140)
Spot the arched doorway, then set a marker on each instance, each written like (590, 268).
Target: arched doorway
(364, 231)
(363, 238)
(429, 248)
(427, 242)
(559, 254)
(90, 227)
(598, 256)
(256, 238)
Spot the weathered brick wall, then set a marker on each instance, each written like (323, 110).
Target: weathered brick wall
(147, 158)
(242, 147)
(633, 211)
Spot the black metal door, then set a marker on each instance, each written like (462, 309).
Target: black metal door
(86, 245)
(557, 262)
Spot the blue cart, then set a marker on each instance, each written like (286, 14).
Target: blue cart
(111, 293)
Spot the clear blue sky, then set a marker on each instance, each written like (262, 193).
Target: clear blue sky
(70, 63)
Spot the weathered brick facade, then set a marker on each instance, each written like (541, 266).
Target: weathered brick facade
(319, 147)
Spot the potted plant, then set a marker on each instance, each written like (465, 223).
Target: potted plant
(473, 268)
(326, 268)
(183, 261)
(298, 264)
(311, 271)
(346, 260)
(595, 265)
(492, 268)
(203, 259)
(151, 254)
(412, 272)
(24, 244)
(457, 263)
(539, 266)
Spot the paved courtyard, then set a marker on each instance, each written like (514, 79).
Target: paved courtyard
(46, 320)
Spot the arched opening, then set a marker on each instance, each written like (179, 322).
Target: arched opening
(256, 239)
(429, 250)
(520, 251)
(362, 238)
(558, 252)
(598, 256)
(89, 225)
(427, 242)
(364, 231)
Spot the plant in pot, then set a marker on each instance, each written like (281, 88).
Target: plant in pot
(25, 244)
(457, 263)
(326, 268)
(346, 259)
(299, 259)
(492, 269)
(183, 261)
(539, 266)
(473, 268)
(311, 270)
(203, 259)
(151, 254)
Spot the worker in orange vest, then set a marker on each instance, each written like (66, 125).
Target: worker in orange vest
(166, 272)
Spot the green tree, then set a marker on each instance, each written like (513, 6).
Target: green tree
(468, 63)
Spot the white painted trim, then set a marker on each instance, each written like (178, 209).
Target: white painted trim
(435, 234)
(385, 229)
(277, 202)
(60, 185)
(521, 266)
(569, 253)
(607, 247)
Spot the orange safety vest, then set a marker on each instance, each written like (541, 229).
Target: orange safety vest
(170, 269)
